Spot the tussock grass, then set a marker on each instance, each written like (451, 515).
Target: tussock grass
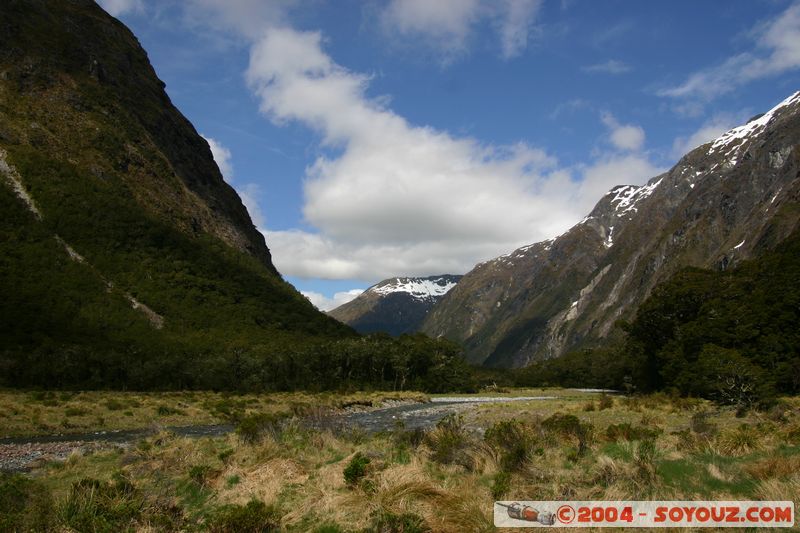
(442, 480)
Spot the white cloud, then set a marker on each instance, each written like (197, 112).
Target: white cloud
(447, 25)
(777, 50)
(709, 131)
(222, 156)
(403, 199)
(249, 194)
(323, 303)
(608, 171)
(623, 136)
(250, 18)
(612, 66)
(517, 18)
(117, 8)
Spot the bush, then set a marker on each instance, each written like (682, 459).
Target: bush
(571, 426)
(255, 517)
(386, 522)
(114, 405)
(356, 469)
(165, 410)
(740, 441)
(606, 402)
(102, 507)
(513, 440)
(252, 428)
(626, 431)
(448, 441)
(25, 504)
(200, 474)
(501, 484)
(75, 411)
(645, 463)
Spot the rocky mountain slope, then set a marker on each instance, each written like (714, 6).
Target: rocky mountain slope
(396, 305)
(725, 201)
(122, 250)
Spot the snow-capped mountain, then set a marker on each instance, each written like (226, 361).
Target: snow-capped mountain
(395, 305)
(725, 201)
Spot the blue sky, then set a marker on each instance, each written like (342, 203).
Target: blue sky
(370, 139)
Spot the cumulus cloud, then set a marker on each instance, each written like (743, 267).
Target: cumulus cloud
(612, 66)
(323, 303)
(117, 8)
(250, 18)
(623, 136)
(248, 192)
(222, 156)
(708, 131)
(777, 50)
(447, 25)
(404, 199)
(517, 17)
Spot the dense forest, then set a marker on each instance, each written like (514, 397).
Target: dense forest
(732, 336)
(68, 322)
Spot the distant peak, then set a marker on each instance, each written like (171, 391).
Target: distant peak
(729, 142)
(421, 288)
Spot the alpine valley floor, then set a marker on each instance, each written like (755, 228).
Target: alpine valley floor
(275, 474)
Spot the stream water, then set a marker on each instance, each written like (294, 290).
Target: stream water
(18, 453)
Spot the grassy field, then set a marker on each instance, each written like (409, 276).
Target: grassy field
(44, 412)
(274, 475)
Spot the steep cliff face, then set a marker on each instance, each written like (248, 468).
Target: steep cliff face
(125, 259)
(395, 305)
(723, 202)
(76, 84)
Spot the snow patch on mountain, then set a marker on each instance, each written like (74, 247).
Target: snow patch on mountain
(420, 288)
(627, 196)
(731, 142)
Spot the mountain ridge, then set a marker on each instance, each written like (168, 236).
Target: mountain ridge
(545, 299)
(125, 258)
(395, 305)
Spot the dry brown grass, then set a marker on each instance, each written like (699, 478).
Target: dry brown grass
(263, 482)
(774, 467)
(301, 472)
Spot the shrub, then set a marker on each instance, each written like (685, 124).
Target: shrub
(740, 441)
(252, 428)
(626, 431)
(699, 424)
(513, 440)
(448, 441)
(114, 405)
(570, 426)
(96, 506)
(25, 504)
(255, 517)
(501, 484)
(386, 522)
(606, 402)
(75, 411)
(200, 474)
(224, 455)
(165, 410)
(356, 469)
(644, 459)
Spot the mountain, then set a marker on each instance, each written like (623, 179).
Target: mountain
(728, 200)
(395, 305)
(125, 258)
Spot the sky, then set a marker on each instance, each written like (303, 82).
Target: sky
(371, 139)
